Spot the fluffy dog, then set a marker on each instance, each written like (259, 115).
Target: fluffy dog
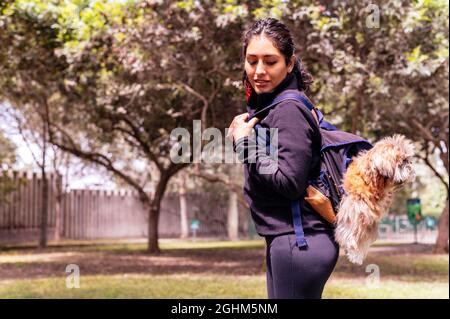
(370, 183)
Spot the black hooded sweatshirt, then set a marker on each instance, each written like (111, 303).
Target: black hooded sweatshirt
(270, 195)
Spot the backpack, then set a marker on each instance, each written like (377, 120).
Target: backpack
(324, 192)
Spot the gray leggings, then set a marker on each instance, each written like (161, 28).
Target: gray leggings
(299, 273)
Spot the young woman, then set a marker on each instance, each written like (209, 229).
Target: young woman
(270, 68)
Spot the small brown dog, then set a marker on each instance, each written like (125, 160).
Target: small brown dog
(370, 182)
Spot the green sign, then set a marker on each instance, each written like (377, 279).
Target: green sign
(414, 211)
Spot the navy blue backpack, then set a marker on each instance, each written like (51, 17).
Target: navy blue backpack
(325, 191)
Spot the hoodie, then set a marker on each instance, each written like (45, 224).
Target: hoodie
(269, 195)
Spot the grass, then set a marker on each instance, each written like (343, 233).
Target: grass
(207, 269)
(386, 289)
(140, 286)
(201, 287)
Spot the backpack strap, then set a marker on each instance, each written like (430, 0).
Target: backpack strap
(318, 116)
(285, 96)
(297, 96)
(298, 227)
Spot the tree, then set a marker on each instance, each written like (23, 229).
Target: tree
(119, 93)
(30, 76)
(141, 80)
(381, 69)
(26, 123)
(34, 132)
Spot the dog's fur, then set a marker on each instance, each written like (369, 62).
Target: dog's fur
(370, 182)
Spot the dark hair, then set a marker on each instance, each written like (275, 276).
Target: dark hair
(282, 40)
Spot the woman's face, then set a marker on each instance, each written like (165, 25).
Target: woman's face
(265, 64)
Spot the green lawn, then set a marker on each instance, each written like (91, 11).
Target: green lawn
(204, 269)
(188, 286)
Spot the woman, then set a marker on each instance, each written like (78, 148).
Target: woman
(270, 68)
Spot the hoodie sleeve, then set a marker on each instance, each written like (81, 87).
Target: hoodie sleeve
(286, 172)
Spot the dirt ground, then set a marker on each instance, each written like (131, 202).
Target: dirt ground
(30, 263)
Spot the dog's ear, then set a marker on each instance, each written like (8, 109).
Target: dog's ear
(405, 170)
(382, 159)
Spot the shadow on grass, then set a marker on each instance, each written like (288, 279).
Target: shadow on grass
(126, 247)
(406, 262)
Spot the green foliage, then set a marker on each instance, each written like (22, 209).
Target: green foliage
(7, 152)
(7, 158)
(357, 69)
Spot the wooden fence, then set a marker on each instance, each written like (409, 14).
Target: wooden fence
(94, 214)
(21, 209)
(91, 214)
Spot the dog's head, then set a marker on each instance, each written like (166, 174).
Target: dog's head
(391, 158)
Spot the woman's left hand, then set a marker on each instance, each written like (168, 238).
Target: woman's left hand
(240, 127)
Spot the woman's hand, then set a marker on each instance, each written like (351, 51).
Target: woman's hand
(239, 127)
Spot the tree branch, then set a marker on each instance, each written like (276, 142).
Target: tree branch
(201, 97)
(428, 163)
(218, 178)
(137, 136)
(96, 158)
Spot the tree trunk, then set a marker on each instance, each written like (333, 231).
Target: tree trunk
(183, 209)
(57, 232)
(44, 208)
(58, 211)
(233, 216)
(245, 222)
(442, 239)
(45, 191)
(441, 245)
(44, 212)
(153, 216)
